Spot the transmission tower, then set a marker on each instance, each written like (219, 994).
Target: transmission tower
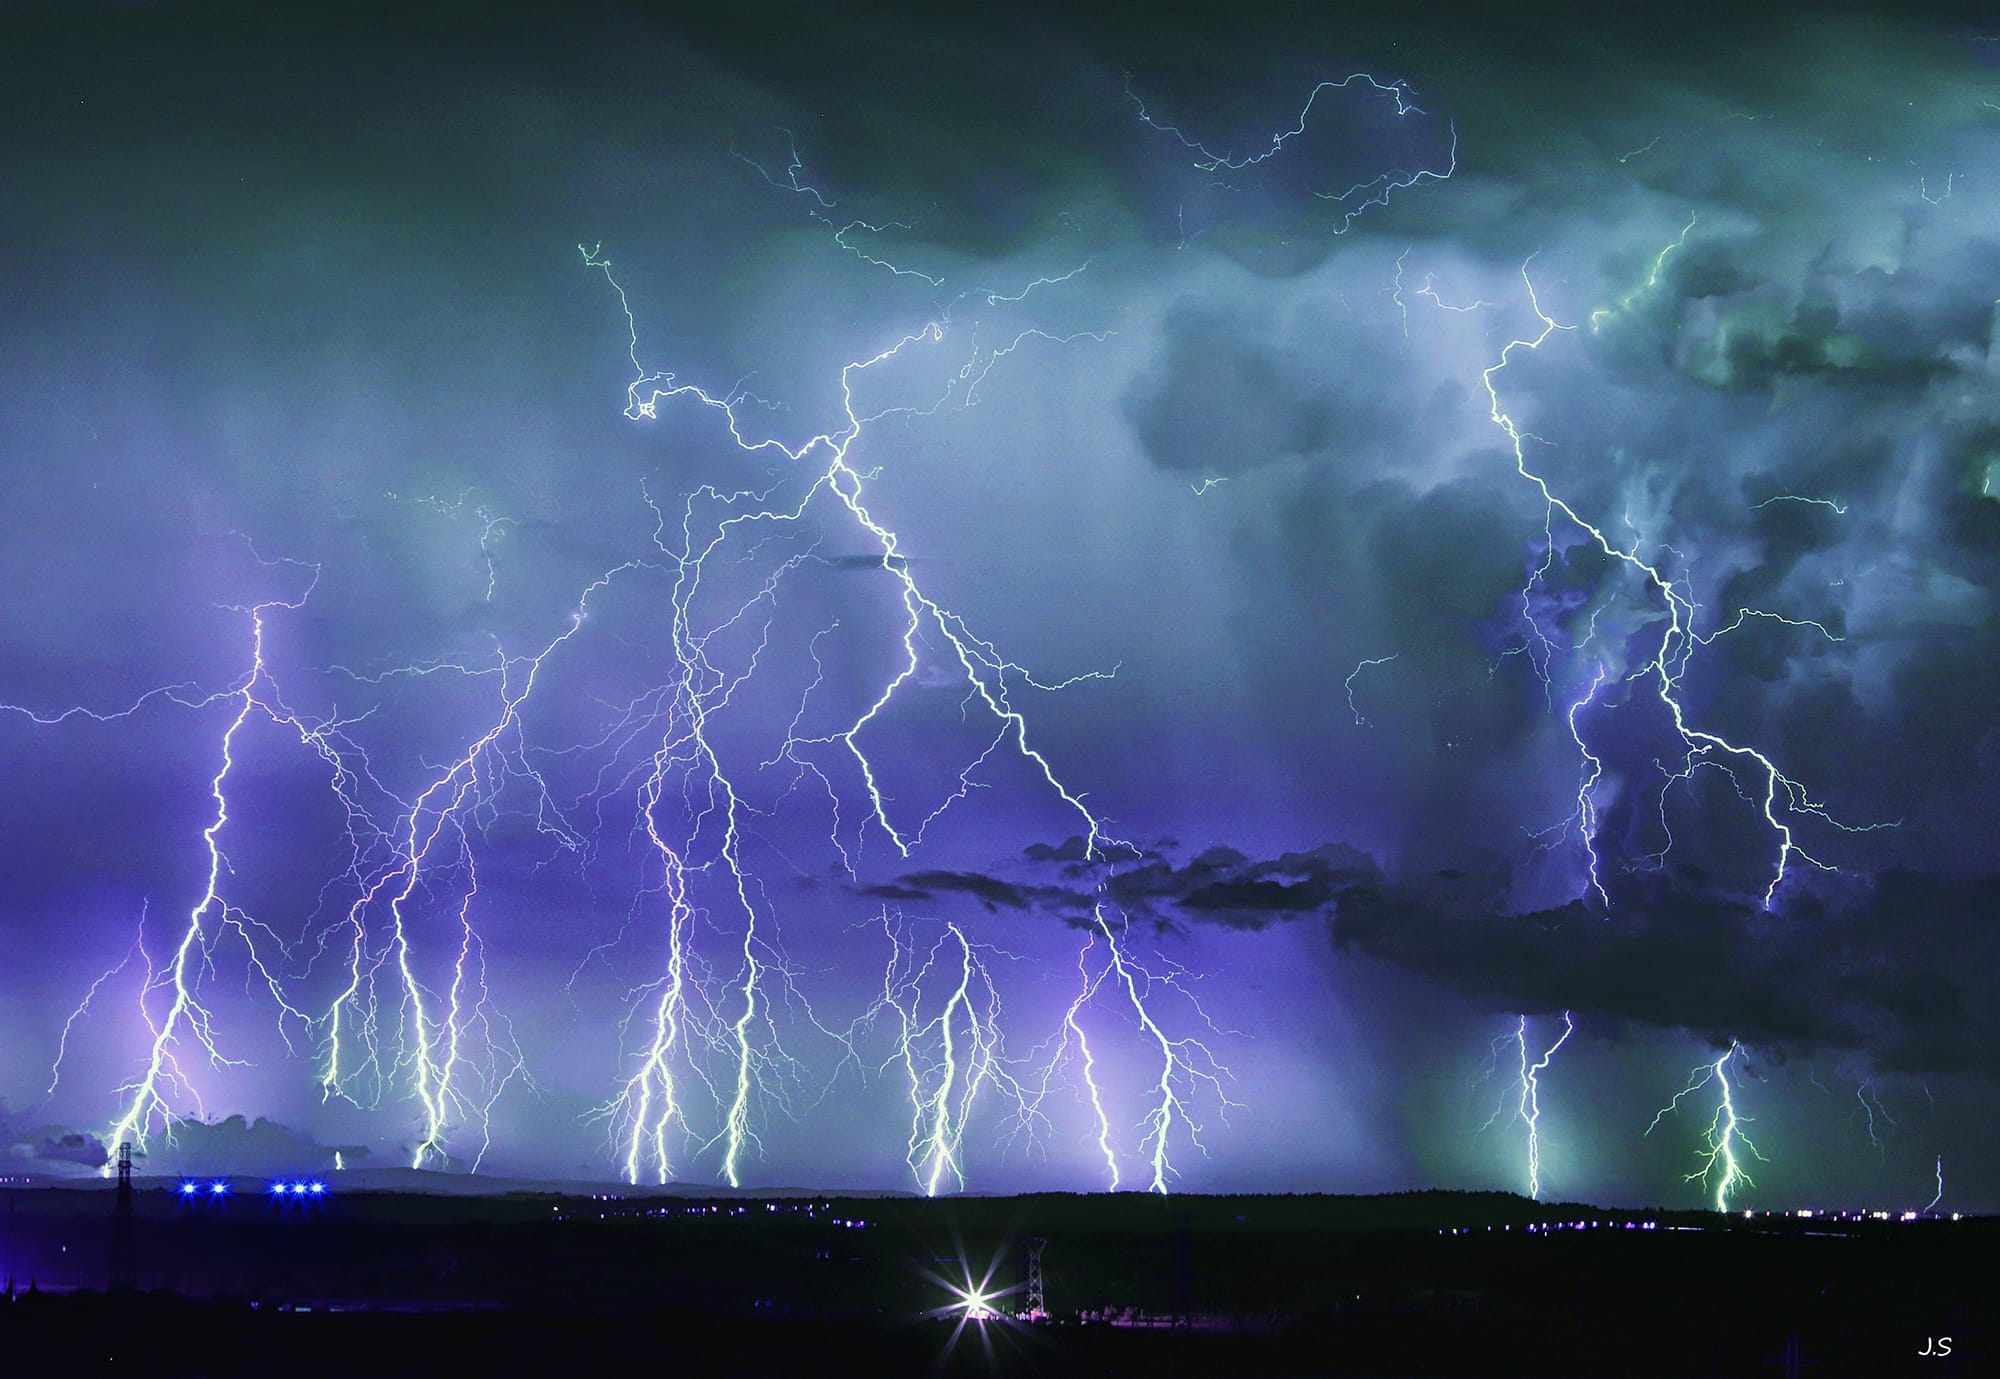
(1037, 1303)
(121, 1225)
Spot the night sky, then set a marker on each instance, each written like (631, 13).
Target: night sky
(1227, 559)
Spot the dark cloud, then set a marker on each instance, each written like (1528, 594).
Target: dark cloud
(259, 1147)
(1903, 968)
(877, 561)
(72, 1148)
(987, 890)
(1904, 972)
(1219, 886)
(895, 891)
(31, 1146)
(1223, 399)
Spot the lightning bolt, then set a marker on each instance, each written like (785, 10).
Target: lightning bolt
(960, 1044)
(1839, 509)
(492, 527)
(186, 1018)
(947, 1058)
(951, 1055)
(1187, 1065)
(1586, 804)
(822, 204)
(412, 1016)
(1871, 1106)
(1724, 1133)
(1360, 720)
(1527, 1101)
(1088, 1070)
(432, 844)
(82, 1008)
(648, 1108)
(1209, 161)
(1668, 660)
(1626, 303)
(1373, 192)
(437, 1055)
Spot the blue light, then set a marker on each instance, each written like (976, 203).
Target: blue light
(279, 1188)
(189, 1189)
(218, 1189)
(318, 1189)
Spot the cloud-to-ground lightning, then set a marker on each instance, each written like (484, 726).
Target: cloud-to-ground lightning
(431, 1052)
(947, 1042)
(1187, 1065)
(1527, 1095)
(1724, 1134)
(431, 846)
(1073, 1030)
(950, 1055)
(187, 1020)
(648, 1107)
(1872, 1108)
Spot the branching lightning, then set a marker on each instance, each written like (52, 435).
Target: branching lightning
(1527, 1094)
(1187, 1065)
(949, 1047)
(704, 1060)
(1373, 192)
(187, 1019)
(1724, 1134)
(947, 1057)
(1775, 796)
(432, 846)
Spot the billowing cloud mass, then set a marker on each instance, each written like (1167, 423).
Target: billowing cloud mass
(566, 577)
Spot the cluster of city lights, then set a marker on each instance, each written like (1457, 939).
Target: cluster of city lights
(1545, 1227)
(627, 1210)
(1803, 1213)
(315, 1188)
(191, 1190)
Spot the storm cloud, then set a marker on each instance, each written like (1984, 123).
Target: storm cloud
(806, 461)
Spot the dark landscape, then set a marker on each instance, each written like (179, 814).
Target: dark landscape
(1427, 1283)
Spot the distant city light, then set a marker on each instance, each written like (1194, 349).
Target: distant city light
(284, 1188)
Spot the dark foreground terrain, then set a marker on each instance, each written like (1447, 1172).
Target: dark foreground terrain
(386, 1284)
